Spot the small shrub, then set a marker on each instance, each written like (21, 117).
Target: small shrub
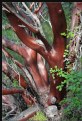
(39, 117)
(73, 79)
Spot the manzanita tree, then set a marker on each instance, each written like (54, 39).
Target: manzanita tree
(25, 20)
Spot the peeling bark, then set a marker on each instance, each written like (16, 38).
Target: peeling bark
(12, 74)
(53, 55)
(30, 57)
(25, 115)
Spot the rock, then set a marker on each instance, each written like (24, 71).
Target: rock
(51, 111)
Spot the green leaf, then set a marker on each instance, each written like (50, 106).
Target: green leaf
(15, 83)
(63, 34)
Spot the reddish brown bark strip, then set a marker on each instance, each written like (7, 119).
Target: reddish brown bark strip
(25, 115)
(7, 54)
(47, 45)
(55, 56)
(28, 99)
(26, 39)
(31, 5)
(13, 12)
(40, 83)
(42, 68)
(9, 72)
(39, 7)
(11, 91)
(21, 11)
(28, 116)
(13, 46)
(58, 21)
(37, 33)
(78, 5)
(30, 61)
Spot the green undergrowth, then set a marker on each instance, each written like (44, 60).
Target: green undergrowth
(73, 79)
(38, 117)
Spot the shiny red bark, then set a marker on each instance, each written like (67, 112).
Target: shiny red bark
(53, 55)
(11, 91)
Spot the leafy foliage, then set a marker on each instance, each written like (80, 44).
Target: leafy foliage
(73, 102)
(39, 117)
(15, 84)
(68, 35)
(73, 79)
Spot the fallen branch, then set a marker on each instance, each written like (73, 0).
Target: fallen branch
(25, 115)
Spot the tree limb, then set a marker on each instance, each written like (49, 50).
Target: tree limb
(39, 7)
(58, 22)
(31, 5)
(26, 39)
(13, 46)
(22, 67)
(34, 31)
(31, 61)
(42, 68)
(25, 115)
(40, 82)
(12, 11)
(12, 74)
(11, 91)
(47, 45)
